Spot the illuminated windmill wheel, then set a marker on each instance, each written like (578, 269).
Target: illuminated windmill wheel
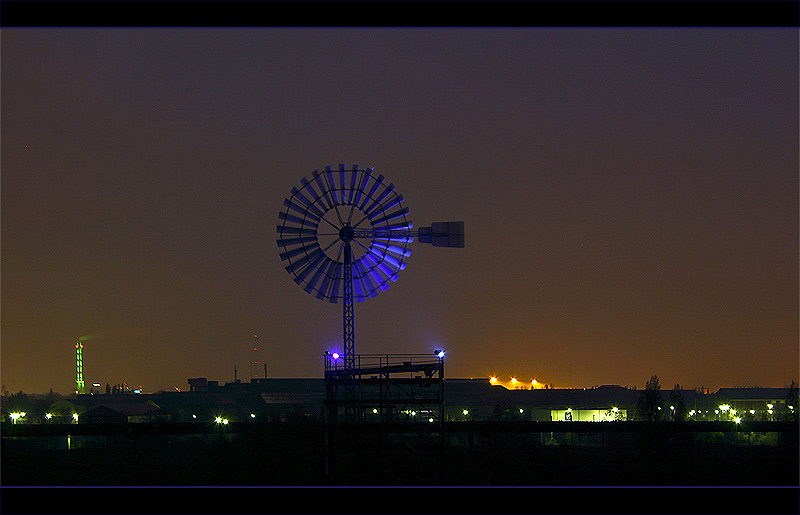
(345, 234)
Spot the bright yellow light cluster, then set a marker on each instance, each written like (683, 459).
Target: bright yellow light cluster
(515, 383)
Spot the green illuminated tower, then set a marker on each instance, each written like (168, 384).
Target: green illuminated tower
(79, 372)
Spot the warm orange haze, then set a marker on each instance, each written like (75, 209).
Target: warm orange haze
(630, 198)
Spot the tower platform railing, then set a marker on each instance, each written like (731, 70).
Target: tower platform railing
(386, 385)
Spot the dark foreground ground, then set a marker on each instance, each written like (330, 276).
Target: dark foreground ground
(287, 468)
(295, 455)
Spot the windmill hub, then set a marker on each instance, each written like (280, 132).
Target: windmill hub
(347, 234)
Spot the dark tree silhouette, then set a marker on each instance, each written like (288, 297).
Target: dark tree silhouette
(650, 403)
(791, 407)
(677, 404)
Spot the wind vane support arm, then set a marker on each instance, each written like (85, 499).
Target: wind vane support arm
(439, 234)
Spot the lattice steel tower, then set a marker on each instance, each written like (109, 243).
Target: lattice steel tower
(79, 385)
(345, 234)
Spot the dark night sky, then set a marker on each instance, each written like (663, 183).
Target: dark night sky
(630, 198)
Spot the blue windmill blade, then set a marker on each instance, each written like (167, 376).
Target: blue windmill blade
(386, 218)
(303, 222)
(342, 186)
(387, 263)
(310, 212)
(286, 242)
(328, 279)
(359, 294)
(376, 280)
(302, 250)
(308, 188)
(354, 176)
(360, 190)
(371, 285)
(376, 201)
(336, 283)
(386, 205)
(301, 198)
(302, 268)
(316, 277)
(326, 196)
(400, 251)
(384, 268)
(296, 230)
(370, 195)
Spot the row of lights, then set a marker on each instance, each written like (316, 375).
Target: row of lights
(513, 380)
(726, 409)
(21, 414)
(225, 421)
(439, 353)
(413, 413)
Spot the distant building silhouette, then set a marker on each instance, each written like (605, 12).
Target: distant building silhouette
(282, 399)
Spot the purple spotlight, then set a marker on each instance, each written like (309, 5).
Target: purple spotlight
(335, 355)
(439, 353)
